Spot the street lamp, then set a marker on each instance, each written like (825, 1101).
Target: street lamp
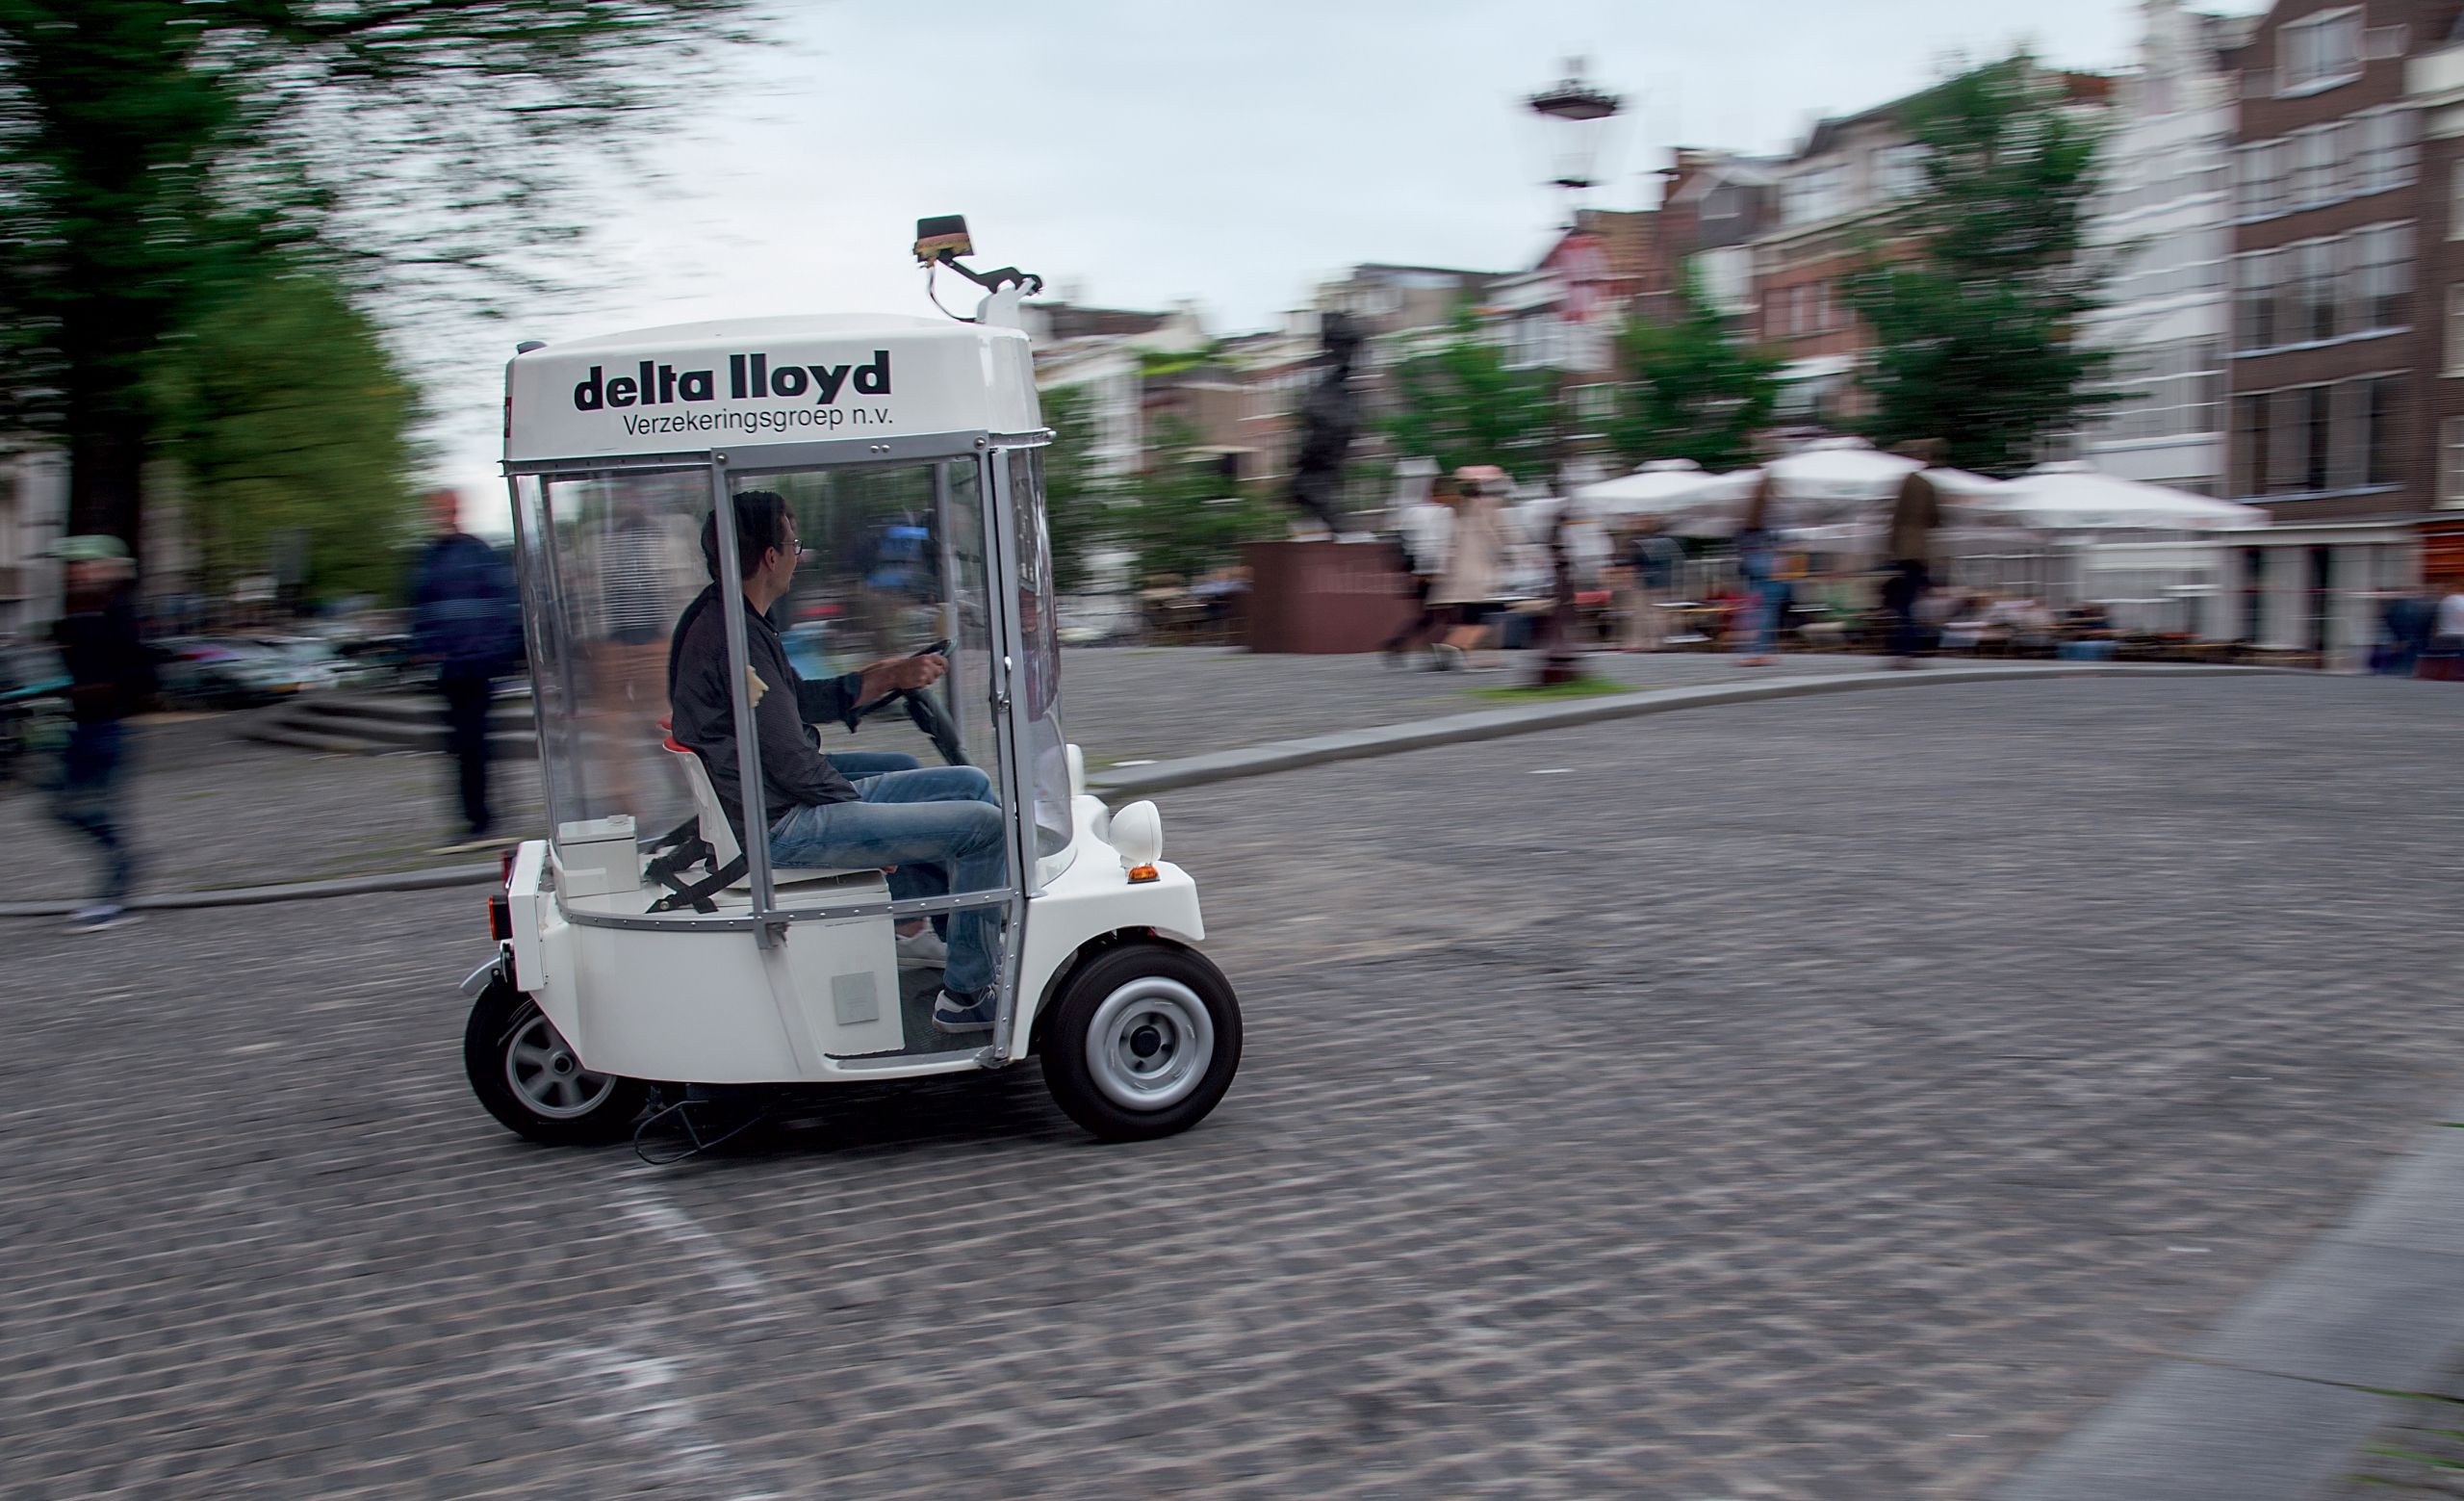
(1579, 114)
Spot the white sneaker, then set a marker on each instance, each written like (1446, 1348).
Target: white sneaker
(101, 916)
(923, 950)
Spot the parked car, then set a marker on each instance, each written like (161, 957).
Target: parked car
(34, 708)
(225, 672)
(315, 659)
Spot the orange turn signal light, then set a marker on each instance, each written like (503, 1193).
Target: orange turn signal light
(1138, 873)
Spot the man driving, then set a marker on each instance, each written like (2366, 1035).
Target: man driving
(940, 825)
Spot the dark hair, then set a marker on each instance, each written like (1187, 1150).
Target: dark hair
(760, 523)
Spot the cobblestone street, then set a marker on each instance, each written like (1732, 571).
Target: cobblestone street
(1830, 1100)
(202, 799)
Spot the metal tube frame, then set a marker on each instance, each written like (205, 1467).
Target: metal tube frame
(755, 841)
(997, 507)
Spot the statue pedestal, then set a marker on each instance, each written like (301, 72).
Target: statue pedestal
(1318, 597)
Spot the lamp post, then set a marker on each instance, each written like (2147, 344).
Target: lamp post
(1578, 113)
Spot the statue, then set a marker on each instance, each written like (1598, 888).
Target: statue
(1329, 419)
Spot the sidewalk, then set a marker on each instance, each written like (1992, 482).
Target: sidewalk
(210, 810)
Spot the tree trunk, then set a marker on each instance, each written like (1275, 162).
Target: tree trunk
(106, 469)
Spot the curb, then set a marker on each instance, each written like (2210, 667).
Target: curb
(1496, 723)
(2272, 1404)
(1283, 756)
(290, 891)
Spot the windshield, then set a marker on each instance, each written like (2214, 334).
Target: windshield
(894, 564)
(1040, 627)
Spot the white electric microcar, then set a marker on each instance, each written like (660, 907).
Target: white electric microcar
(644, 958)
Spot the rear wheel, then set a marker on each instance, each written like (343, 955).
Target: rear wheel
(1142, 1041)
(528, 1077)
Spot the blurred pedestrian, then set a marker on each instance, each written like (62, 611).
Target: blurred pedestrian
(1652, 560)
(1757, 565)
(111, 678)
(470, 625)
(1468, 581)
(1421, 536)
(1909, 549)
(2408, 616)
(2443, 658)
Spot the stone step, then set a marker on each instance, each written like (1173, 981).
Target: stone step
(370, 723)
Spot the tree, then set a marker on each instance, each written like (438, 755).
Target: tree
(288, 415)
(1461, 404)
(1975, 335)
(1079, 508)
(156, 154)
(1187, 515)
(1691, 390)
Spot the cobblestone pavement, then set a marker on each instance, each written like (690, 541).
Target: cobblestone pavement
(205, 801)
(1824, 1099)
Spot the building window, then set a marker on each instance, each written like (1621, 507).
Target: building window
(1899, 172)
(2314, 314)
(2319, 51)
(2261, 189)
(2451, 461)
(2254, 300)
(2384, 154)
(2382, 274)
(2320, 439)
(1818, 194)
(2166, 390)
(2453, 363)
(2354, 285)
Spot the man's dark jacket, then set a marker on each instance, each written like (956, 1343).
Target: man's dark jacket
(794, 773)
(469, 616)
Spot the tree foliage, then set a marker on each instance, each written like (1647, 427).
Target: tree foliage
(1690, 389)
(1078, 506)
(287, 415)
(156, 156)
(1186, 515)
(1975, 335)
(1461, 404)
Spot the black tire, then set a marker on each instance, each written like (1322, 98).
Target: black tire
(525, 1073)
(1090, 1055)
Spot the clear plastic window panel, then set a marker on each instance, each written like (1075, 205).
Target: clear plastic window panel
(610, 561)
(895, 564)
(1039, 626)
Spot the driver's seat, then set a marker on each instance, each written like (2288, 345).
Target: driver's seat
(720, 836)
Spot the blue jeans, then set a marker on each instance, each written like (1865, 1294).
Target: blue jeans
(86, 800)
(855, 765)
(940, 825)
(1770, 597)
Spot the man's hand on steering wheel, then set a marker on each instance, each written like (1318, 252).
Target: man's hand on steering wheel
(900, 674)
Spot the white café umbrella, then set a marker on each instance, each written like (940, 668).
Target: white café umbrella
(2075, 497)
(1654, 489)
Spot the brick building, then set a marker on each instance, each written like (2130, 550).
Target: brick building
(2338, 238)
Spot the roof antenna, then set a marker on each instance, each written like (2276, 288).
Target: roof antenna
(940, 241)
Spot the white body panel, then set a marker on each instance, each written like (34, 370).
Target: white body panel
(717, 385)
(711, 1007)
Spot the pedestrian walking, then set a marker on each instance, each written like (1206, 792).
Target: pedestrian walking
(110, 677)
(2407, 617)
(1421, 535)
(469, 624)
(1757, 565)
(2443, 658)
(1652, 560)
(1909, 547)
(1476, 553)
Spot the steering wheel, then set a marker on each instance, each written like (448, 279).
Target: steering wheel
(926, 710)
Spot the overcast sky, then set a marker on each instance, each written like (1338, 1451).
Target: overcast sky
(1229, 154)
